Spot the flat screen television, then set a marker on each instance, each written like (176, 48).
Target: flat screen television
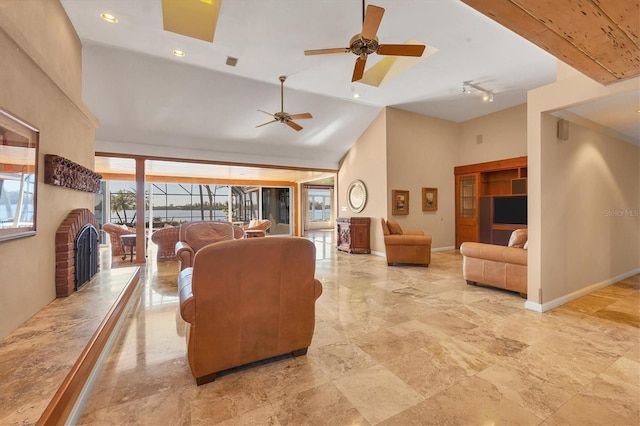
(510, 210)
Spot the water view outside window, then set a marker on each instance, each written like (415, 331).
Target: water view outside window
(174, 203)
(319, 205)
(170, 204)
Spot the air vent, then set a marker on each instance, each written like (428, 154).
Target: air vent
(232, 61)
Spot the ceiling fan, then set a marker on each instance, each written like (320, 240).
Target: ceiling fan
(285, 117)
(366, 43)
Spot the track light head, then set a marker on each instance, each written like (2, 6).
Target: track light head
(470, 88)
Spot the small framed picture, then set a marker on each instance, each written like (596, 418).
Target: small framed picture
(400, 202)
(429, 199)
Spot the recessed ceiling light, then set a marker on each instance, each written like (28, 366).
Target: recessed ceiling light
(356, 96)
(179, 53)
(109, 18)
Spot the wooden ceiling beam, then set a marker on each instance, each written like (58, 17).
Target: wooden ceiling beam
(598, 38)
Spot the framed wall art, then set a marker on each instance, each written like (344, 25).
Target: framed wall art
(18, 177)
(429, 199)
(399, 202)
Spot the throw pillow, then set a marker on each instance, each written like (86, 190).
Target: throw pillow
(518, 238)
(394, 227)
(526, 245)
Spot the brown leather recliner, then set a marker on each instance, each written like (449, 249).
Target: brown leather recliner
(412, 247)
(195, 235)
(248, 300)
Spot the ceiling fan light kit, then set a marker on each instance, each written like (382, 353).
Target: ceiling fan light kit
(282, 116)
(366, 43)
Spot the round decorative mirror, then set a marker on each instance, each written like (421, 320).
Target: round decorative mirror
(356, 196)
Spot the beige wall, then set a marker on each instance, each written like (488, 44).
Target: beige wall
(503, 135)
(574, 246)
(421, 152)
(367, 161)
(409, 151)
(596, 224)
(41, 84)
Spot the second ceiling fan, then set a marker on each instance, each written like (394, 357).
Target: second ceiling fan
(366, 43)
(282, 116)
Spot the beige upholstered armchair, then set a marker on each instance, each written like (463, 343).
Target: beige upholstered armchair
(195, 235)
(115, 231)
(270, 312)
(166, 240)
(405, 246)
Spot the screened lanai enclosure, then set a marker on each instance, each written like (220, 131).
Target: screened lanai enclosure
(170, 204)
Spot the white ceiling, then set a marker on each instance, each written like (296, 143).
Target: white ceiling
(150, 102)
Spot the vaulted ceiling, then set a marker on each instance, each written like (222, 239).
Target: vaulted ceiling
(151, 102)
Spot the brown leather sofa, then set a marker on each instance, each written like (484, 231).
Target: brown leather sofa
(497, 266)
(248, 300)
(412, 247)
(192, 236)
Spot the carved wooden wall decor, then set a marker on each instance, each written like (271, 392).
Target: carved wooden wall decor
(60, 171)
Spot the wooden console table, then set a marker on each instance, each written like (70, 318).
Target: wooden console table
(354, 234)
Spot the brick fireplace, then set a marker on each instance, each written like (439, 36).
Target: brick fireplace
(65, 249)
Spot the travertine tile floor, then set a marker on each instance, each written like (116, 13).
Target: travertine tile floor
(395, 345)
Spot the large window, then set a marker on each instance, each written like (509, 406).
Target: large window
(170, 204)
(319, 205)
(174, 203)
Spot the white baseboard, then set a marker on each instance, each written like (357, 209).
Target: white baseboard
(443, 248)
(532, 306)
(382, 254)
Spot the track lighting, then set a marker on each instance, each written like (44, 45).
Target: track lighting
(470, 88)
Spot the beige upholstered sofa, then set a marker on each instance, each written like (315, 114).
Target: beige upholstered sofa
(248, 300)
(195, 235)
(497, 266)
(405, 246)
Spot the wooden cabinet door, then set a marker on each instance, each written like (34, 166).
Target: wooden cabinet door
(467, 205)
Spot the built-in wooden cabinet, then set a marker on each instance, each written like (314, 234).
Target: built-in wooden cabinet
(476, 187)
(354, 234)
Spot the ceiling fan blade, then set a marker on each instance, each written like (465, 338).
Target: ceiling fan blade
(372, 20)
(401, 49)
(293, 125)
(325, 51)
(358, 70)
(300, 116)
(264, 124)
(268, 113)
